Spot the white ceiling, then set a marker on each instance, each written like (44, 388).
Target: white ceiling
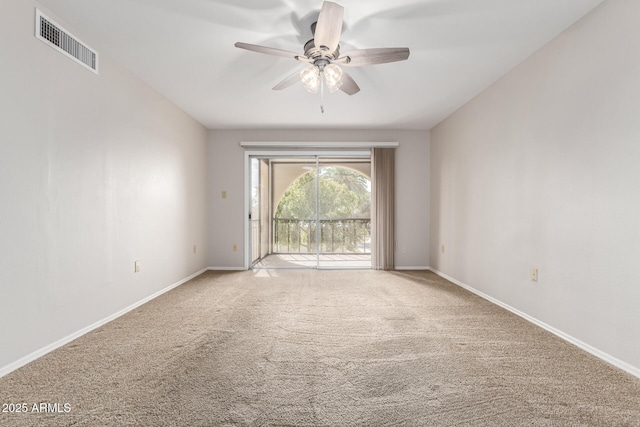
(184, 49)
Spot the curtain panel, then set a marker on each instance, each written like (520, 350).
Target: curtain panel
(383, 208)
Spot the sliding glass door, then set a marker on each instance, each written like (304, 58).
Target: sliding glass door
(259, 210)
(294, 218)
(314, 212)
(344, 214)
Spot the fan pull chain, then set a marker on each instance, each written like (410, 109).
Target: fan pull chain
(321, 92)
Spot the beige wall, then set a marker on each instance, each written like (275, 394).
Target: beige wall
(542, 170)
(227, 174)
(96, 171)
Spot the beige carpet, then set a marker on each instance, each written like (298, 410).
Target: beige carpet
(321, 348)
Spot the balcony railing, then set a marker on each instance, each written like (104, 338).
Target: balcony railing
(337, 236)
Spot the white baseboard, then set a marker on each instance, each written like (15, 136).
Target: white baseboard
(633, 370)
(411, 267)
(59, 343)
(226, 269)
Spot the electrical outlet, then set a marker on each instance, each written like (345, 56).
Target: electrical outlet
(136, 266)
(404, 249)
(235, 247)
(534, 274)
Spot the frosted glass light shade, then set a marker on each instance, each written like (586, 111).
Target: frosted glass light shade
(310, 77)
(333, 77)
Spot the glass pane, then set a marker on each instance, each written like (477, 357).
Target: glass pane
(265, 217)
(294, 211)
(255, 210)
(345, 214)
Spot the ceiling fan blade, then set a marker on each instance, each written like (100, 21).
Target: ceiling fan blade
(271, 51)
(291, 80)
(358, 58)
(349, 86)
(329, 26)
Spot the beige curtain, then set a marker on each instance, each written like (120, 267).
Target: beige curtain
(383, 208)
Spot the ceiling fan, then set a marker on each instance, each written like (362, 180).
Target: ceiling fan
(322, 53)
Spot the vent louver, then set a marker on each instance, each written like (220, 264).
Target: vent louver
(63, 41)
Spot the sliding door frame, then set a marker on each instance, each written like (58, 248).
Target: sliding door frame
(270, 153)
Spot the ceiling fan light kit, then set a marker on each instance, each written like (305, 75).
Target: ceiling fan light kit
(323, 54)
(315, 75)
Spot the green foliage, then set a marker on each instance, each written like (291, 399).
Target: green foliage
(344, 193)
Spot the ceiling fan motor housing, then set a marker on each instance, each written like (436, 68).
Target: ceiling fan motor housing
(314, 52)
